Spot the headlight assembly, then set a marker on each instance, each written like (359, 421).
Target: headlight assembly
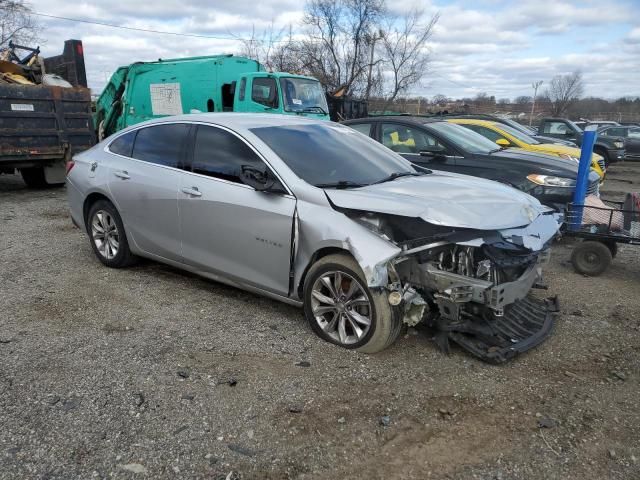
(618, 144)
(551, 181)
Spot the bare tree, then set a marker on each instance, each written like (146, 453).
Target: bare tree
(336, 50)
(440, 99)
(564, 91)
(404, 51)
(17, 23)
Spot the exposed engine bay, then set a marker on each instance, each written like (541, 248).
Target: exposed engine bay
(470, 286)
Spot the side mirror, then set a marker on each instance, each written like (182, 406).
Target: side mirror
(258, 179)
(432, 151)
(503, 142)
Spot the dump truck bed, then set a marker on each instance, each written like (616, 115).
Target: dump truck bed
(43, 124)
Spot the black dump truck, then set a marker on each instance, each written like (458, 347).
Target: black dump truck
(45, 112)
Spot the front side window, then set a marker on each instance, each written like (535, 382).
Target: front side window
(519, 135)
(265, 91)
(332, 155)
(556, 128)
(614, 132)
(404, 139)
(161, 144)
(634, 133)
(303, 95)
(220, 154)
(123, 145)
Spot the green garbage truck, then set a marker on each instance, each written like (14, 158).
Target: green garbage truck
(218, 83)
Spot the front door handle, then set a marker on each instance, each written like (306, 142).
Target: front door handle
(123, 174)
(193, 191)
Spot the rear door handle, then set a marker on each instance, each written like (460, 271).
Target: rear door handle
(193, 191)
(123, 174)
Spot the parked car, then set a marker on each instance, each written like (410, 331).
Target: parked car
(631, 135)
(531, 131)
(317, 215)
(612, 149)
(507, 137)
(444, 146)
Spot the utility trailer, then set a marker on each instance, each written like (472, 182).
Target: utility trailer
(42, 126)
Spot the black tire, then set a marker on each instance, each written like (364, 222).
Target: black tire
(591, 258)
(34, 177)
(123, 257)
(385, 320)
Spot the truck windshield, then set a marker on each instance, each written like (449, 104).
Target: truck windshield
(303, 95)
(333, 156)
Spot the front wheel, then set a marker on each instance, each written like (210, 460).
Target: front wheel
(341, 309)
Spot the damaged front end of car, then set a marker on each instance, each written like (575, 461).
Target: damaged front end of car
(471, 286)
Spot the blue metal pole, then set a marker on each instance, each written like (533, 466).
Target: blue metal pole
(582, 182)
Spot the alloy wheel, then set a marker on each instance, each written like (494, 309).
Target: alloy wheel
(341, 307)
(104, 232)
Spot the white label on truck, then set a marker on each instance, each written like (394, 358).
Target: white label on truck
(22, 107)
(165, 99)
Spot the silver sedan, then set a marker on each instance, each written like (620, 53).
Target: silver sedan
(318, 215)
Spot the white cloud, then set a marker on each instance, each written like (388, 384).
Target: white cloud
(487, 45)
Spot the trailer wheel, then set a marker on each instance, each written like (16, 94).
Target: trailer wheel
(34, 177)
(591, 258)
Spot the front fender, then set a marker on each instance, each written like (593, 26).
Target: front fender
(321, 228)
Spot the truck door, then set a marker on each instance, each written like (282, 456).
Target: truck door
(558, 129)
(263, 95)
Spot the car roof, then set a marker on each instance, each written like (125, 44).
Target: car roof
(238, 120)
(415, 119)
(475, 121)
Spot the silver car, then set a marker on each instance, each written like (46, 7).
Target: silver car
(315, 214)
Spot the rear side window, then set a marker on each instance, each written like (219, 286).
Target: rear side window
(265, 91)
(362, 128)
(220, 154)
(123, 145)
(161, 144)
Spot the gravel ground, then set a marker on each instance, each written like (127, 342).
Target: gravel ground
(153, 373)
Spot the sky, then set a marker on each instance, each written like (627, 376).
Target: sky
(493, 46)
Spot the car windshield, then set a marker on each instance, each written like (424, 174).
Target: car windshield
(463, 138)
(578, 129)
(303, 95)
(523, 137)
(331, 155)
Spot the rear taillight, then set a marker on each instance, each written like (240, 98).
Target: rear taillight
(70, 165)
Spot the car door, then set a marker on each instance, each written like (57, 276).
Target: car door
(417, 146)
(144, 187)
(230, 229)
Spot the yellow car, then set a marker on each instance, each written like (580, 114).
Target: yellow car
(506, 136)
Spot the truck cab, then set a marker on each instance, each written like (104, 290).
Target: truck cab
(611, 148)
(219, 83)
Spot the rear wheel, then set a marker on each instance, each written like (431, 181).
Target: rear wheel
(341, 309)
(591, 258)
(107, 235)
(34, 177)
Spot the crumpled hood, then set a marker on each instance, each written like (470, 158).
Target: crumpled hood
(446, 199)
